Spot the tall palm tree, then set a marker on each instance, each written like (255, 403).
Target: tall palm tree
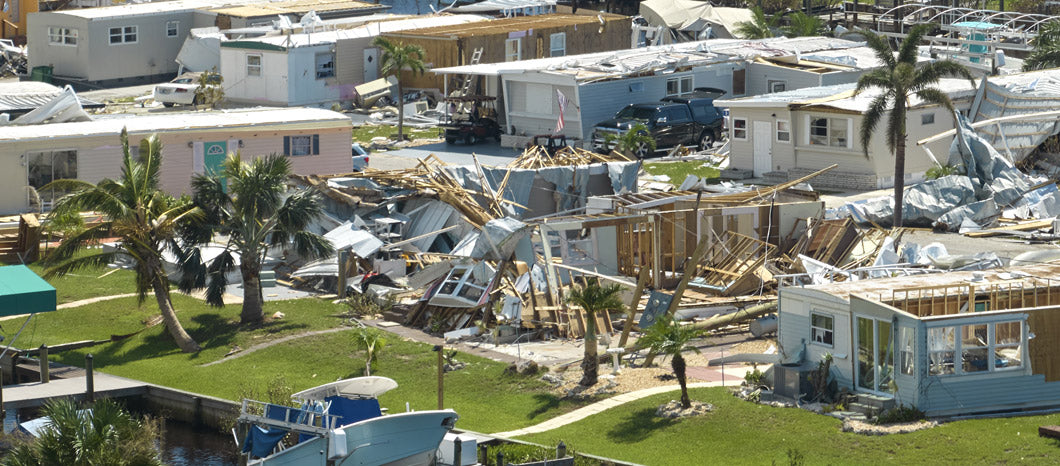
(396, 58)
(668, 337)
(803, 25)
(1046, 53)
(593, 298)
(761, 26)
(143, 218)
(899, 79)
(246, 204)
(104, 434)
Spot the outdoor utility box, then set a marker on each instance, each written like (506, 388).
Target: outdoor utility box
(791, 381)
(268, 278)
(468, 450)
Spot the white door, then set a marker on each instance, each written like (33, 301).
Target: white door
(762, 137)
(371, 64)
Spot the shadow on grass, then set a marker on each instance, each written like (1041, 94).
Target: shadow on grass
(638, 425)
(545, 403)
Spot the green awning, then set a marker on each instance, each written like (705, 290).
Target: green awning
(23, 292)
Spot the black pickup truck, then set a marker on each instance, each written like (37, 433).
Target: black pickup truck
(688, 121)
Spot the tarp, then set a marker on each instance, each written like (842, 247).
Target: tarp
(23, 292)
(693, 16)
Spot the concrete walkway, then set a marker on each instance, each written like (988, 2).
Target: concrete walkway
(598, 407)
(277, 341)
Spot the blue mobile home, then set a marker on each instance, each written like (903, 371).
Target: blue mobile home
(949, 344)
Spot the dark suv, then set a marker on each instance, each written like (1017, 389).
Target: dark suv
(688, 121)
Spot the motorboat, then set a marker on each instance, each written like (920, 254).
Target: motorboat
(341, 424)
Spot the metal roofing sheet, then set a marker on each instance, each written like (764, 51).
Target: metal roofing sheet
(28, 95)
(177, 121)
(139, 9)
(366, 30)
(514, 24)
(503, 5)
(294, 7)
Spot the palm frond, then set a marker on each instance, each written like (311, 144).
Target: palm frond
(936, 96)
(218, 279)
(72, 244)
(880, 47)
(896, 131)
(930, 73)
(876, 111)
(88, 261)
(311, 245)
(907, 51)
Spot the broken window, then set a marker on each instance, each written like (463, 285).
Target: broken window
(45, 167)
(974, 348)
(1008, 336)
(325, 65)
(62, 36)
(941, 347)
(466, 282)
(739, 128)
(821, 328)
(906, 361)
(828, 131)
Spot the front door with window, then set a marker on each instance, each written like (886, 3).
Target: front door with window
(875, 352)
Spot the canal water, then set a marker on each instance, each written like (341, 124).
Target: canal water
(186, 445)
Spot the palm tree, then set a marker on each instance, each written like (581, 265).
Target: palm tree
(104, 434)
(636, 142)
(245, 204)
(593, 298)
(372, 343)
(397, 57)
(761, 26)
(803, 25)
(1046, 53)
(671, 338)
(143, 218)
(897, 81)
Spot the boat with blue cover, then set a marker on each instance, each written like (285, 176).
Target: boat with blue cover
(342, 424)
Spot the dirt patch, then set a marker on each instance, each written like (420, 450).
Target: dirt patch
(629, 380)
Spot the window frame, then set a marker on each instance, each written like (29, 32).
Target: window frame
(518, 41)
(786, 132)
(259, 67)
(30, 161)
(959, 348)
(682, 86)
(562, 36)
(827, 334)
(122, 35)
(772, 84)
(742, 128)
(906, 345)
(831, 133)
(310, 143)
(927, 118)
(64, 36)
(329, 71)
(172, 28)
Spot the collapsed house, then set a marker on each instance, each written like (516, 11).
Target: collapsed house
(956, 343)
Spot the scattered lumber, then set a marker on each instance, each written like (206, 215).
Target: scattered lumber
(1024, 226)
(535, 157)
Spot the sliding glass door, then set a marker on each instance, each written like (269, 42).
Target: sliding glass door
(875, 344)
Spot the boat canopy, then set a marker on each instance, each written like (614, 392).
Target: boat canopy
(358, 387)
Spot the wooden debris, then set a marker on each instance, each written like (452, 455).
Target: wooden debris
(535, 157)
(1025, 226)
(733, 266)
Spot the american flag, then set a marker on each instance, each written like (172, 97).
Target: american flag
(562, 101)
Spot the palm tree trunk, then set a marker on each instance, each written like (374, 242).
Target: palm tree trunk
(252, 312)
(899, 179)
(590, 363)
(169, 315)
(401, 110)
(678, 364)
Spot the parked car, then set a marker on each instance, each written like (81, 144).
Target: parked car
(360, 157)
(687, 121)
(181, 90)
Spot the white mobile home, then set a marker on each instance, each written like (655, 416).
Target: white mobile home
(311, 68)
(598, 85)
(117, 45)
(317, 142)
(794, 133)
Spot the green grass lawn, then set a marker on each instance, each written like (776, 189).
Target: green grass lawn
(678, 171)
(364, 134)
(739, 432)
(486, 398)
(85, 284)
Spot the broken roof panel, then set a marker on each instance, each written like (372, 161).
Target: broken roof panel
(365, 30)
(1018, 94)
(838, 96)
(23, 96)
(298, 7)
(514, 24)
(360, 242)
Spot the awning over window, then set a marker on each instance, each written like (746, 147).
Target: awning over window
(23, 292)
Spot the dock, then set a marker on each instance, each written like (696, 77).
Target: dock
(35, 394)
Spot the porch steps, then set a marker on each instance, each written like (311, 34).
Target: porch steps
(864, 409)
(872, 405)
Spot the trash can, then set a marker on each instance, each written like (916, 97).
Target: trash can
(41, 73)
